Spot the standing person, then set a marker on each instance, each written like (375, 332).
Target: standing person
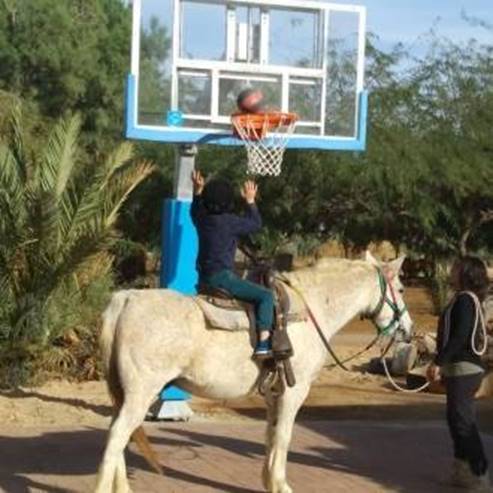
(218, 230)
(458, 362)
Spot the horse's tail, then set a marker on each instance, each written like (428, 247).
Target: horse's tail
(109, 356)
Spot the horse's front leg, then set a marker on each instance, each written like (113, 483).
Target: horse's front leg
(287, 408)
(271, 402)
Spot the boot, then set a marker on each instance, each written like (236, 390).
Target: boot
(463, 477)
(461, 474)
(480, 484)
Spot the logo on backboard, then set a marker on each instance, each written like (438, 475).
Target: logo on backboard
(174, 118)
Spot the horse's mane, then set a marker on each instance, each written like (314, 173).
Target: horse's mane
(336, 268)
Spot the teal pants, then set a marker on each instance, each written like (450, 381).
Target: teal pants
(261, 297)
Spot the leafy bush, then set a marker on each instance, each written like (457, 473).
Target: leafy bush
(57, 218)
(73, 318)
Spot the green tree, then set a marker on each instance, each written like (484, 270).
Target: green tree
(68, 55)
(455, 101)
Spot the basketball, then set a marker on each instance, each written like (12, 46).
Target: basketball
(250, 101)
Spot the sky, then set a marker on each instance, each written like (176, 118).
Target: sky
(407, 21)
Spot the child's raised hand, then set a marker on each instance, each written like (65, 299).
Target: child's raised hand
(198, 182)
(249, 191)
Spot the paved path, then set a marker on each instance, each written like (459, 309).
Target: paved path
(212, 456)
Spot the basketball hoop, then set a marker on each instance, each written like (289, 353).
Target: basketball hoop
(265, 136)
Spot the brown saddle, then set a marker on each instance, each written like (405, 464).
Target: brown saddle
(276, 373)
(223, 299)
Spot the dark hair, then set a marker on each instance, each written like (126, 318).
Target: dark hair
(472, 275)
(218, 196)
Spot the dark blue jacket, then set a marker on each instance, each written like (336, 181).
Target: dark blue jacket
(218, 235)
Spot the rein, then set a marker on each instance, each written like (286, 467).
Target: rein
(382, 331)
(324, 339)
(319, 330)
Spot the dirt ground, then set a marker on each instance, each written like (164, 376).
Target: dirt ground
(38, 424)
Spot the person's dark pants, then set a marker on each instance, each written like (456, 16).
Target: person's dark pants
(261, 297)
(461, 419)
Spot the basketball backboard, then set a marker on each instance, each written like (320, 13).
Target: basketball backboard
(191, 58)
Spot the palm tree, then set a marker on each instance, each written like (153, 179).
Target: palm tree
(57, 219)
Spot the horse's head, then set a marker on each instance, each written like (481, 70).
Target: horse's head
(390, 312)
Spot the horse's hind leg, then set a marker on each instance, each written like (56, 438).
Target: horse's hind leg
(112, 472)
(287, 408)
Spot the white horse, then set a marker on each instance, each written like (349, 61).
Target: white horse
(153, 337)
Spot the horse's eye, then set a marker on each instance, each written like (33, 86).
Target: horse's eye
(401, 290)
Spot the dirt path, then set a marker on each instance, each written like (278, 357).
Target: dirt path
(354, 434)
(205, 457)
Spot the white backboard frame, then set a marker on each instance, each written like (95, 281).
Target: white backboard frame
(231, 68)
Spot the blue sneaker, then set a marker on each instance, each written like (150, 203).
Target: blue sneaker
(263, 350)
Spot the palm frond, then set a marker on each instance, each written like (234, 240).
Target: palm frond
(78, 209)
(12, 211)
(122, 185)
(16, 144)
(90, 243)
(55, 168)
(117, 159)
(43, 220)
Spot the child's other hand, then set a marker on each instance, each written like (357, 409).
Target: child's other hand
(249, 191)
(198, 182)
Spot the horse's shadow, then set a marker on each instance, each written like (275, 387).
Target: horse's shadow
(103, 409)
(68, 454)
(405, 456)
(58, 454)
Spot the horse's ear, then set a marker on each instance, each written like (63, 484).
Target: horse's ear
(396, 265)
(371, 259)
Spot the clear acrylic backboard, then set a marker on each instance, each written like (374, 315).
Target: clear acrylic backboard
(191, 58)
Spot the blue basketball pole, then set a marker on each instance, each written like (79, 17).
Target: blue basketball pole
(179, 244)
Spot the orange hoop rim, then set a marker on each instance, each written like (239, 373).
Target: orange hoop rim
(272, 119)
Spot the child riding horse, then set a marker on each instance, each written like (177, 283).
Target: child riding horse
(218, 230)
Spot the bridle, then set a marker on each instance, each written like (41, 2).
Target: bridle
(386, 286)
(384, 300)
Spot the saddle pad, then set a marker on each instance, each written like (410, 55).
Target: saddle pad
(221, 318)
(234, 320)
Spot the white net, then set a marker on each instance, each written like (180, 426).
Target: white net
(265, 136)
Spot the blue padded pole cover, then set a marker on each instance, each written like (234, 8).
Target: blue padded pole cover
(179, 252)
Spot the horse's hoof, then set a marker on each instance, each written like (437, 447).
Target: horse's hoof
(122, 488)
(281, 488)
(126, 490)
(265, 481)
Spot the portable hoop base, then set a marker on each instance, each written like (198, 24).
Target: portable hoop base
(265, 136)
